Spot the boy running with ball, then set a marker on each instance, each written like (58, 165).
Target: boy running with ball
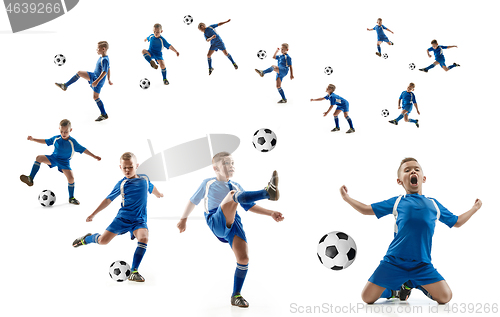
(132, 216)
(381, 37)
(65, 147)
(407, 263)
(438, 56)
(221, 197)
(216, 43)
(284, 63)
(342, 106)
(409, 101)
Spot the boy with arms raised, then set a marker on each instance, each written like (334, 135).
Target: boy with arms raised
(409, 101)
(221, 198)
(64, 148)
(216, 43)
(284, 63)
(407, 263)
(342, 105)
(438, 56)
(132, 216)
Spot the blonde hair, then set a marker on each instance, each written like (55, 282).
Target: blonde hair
(128, 156)
(103, 44)
(406, 159)
(219, 156)
(158, 26)
(411, 85)
(331, 86)
(65, 123)
(285, 45)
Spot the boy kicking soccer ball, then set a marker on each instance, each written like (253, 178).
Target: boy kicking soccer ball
(64, 148)
(156, 44)
(381, 37)
(438, 56)
(221, 198)
(407, 263)
(284, 63)
(96, 79)
(342, 105)
(409, 101)
(132, 216)
(216, 43)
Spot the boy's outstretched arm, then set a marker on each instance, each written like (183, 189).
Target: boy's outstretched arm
(41, 141)
(92, 155)
(105, 203)
(222, 23)
(318, 99)
(187, 211)
(157, 193)
(359, 206)
(463, 218)
(369, 29)
(276, 215)
(390, 31)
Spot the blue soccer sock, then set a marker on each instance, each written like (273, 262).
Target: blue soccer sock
(100, 105)
(239, 277)
(336, 121)
(72, 80)
(387, 293)
(378, 49)
(230, 58)
(245, 197)
(349, 121)
(92, 239)
(164, 73)
(209, 62)
(451, 66)
(401, 116)
(34, 170)
(430, 66)
(147, 57)
(412, 120)
(282, 93)
(138, 255)
(268, 70)
(71, 190)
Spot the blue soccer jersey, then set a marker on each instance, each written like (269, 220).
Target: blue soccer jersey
(64, 149)
(438, 52)
(336, 100)
(380, 31)
(210, 31)
(408, 98)
(416, 217)
(102, 65)
(134, 193)
(156, 44)
(284, 60)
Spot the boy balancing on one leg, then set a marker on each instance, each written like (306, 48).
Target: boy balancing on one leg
(407, 263)
(156, 44)
(438, 56)
(342, 105)
(409, 101)
(284, 62)
(381, 37)
(96, 79)
(221, 198)
(132, 216)
(64, 148)
(216, 43)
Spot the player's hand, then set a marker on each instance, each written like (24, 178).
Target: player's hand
(399, 107)
(277, 216)
(477, 204)
(98, 158)
(324, 114)
(343, 192)
(228, 20)
(418, 112)
(160, 195)
(110, 83)
(177, 54)
(30, 138)
(429, 55)
(89, 218)
(182, 225)
(291, 77)
(94, 84)
(145, 40)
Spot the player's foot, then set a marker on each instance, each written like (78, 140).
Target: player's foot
(210, 70)
(74, 201)
(456, 65)
(136, 277)
(80, 241)
(101, 117)
(238, 300)
(404, 292)
(378, 54)
(272, 187)
(335, 129)
(393, 122)
(62, 86)
(165, 82)
(235, 66)
(392, 43)
(27, 180)
(153, 64)
(351, 130)
(282, 101)
(394, 294)
(416, 123)
(424, 70)
(261, 73)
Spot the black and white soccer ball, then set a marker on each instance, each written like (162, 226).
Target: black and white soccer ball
(328, 70)
(119, 271)
(144, 83)
(336, 250)
(47, 198)
(411, 66)
(59, 59)
(385, 56)
(261, 54)
(264, 140)
(385, 112)
(188, 19)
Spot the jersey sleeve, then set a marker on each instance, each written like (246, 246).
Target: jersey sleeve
(401, 96)
(150, 185)
(200, 193)
(430, 49)
(444, 47)
(165, 43)
(413, 98)
(383, 27)
(214, 26)
(78, 148)
(115, 192)
(50, 141)
(327, 97)
(384, 208)
(105, 65)
(149, 37)
(289, 60)
(447, 217)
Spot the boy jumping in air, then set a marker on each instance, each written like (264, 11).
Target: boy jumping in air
(216, 43)
(409, 101)
(438, 56)
(381, 37)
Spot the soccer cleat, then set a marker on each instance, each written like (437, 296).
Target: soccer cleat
(404, 292)
(282, 101)
(261, 73)
(136, 277)
(238, 300)
(235, 66)
(335, 129)
(153, 64)
(62, 86)
(272, 187)
(74, 201)
(80, 241)
(165, 82)
(351, 130)
(394, 294)
(210, 70)
(392, 43)
(424, 70)
(101, 117)
(27, 180)
(378, 54)
(393, 122)
(456, 65)
(416, 123)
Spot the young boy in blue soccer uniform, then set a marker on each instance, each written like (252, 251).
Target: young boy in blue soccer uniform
(132, 216)
(409, 101)
(284, 63)
(64, 148)
(407, 263)
(156, 44)
(381, 37)
(216, 43)
(96, 79)
(342, 105)
(221, 198)
(438, 56)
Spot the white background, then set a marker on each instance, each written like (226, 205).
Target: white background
(191, 274)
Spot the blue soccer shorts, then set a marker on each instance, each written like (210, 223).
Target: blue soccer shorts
(156, 55)
(217, 223)
(121, 225)
(61, 164)
(217, 46)
(92, 78)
